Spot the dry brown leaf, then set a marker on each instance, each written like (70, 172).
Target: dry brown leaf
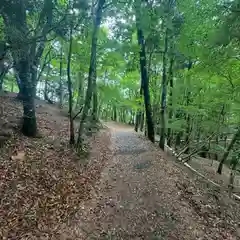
(20, 156)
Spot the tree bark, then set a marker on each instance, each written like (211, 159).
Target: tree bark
(92, 69)
(80, 97)
(70, 95)
(164, 94)
(61, 80)
(188, 119)
(95, 103)
(144, 81)
(142, 121)
(46, 84)
(95, 96)
(227, 151)
(137, 120)
(114, 113)
(17, 18)
(29, 127)
(15, 13)
(170, 114)
(2, 76)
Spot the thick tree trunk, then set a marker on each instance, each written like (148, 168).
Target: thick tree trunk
(92, 71)
(34, 78)
(20, 85)
(15, 15)
(164, 94)
(144, 82)
(227, 151)
(29, 127)
(70, 95)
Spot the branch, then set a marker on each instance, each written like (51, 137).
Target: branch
(186, 159)
(228, 77)
(107, 5)
(77, 113)
(45, 63)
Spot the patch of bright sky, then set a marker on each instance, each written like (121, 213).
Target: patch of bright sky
(110, 23)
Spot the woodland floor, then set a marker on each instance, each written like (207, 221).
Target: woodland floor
(128, 188)
(145, 195)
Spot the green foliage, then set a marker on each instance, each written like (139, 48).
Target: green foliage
(204, 96)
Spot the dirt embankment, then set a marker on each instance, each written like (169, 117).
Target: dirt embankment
(43, 182)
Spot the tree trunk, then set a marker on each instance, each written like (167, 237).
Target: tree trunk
(227, 151)
(15, 16)
(170, 115)
(234, 163)
(188, 128)
(137, 120)
(80, 97)
(216, 154)
(124, 116)
(61, 80)
(34, 78)
(95, 103)
(95, 97)
(142, 122)
(29, 127)
(144, 81)
(2, 75)
(114, 113)
(131, 121)
(178, 139)
(46, 98)
(92, 69)
(164, 94)
(139, 112)
(20, 85)
(70, 95)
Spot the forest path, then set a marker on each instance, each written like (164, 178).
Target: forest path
(139, 197)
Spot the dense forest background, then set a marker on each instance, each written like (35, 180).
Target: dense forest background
(169, 68)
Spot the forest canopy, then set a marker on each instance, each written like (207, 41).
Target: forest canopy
(170, 68)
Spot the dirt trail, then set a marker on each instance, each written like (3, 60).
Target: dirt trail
(143, 196)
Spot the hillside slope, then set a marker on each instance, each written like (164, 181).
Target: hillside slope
(42, 180)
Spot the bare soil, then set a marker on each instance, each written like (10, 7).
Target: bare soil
(209, 167)
(143, 194)
(128, 188)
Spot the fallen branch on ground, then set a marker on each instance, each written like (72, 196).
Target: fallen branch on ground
(236, 197)
(198, 149)
(215, 184)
